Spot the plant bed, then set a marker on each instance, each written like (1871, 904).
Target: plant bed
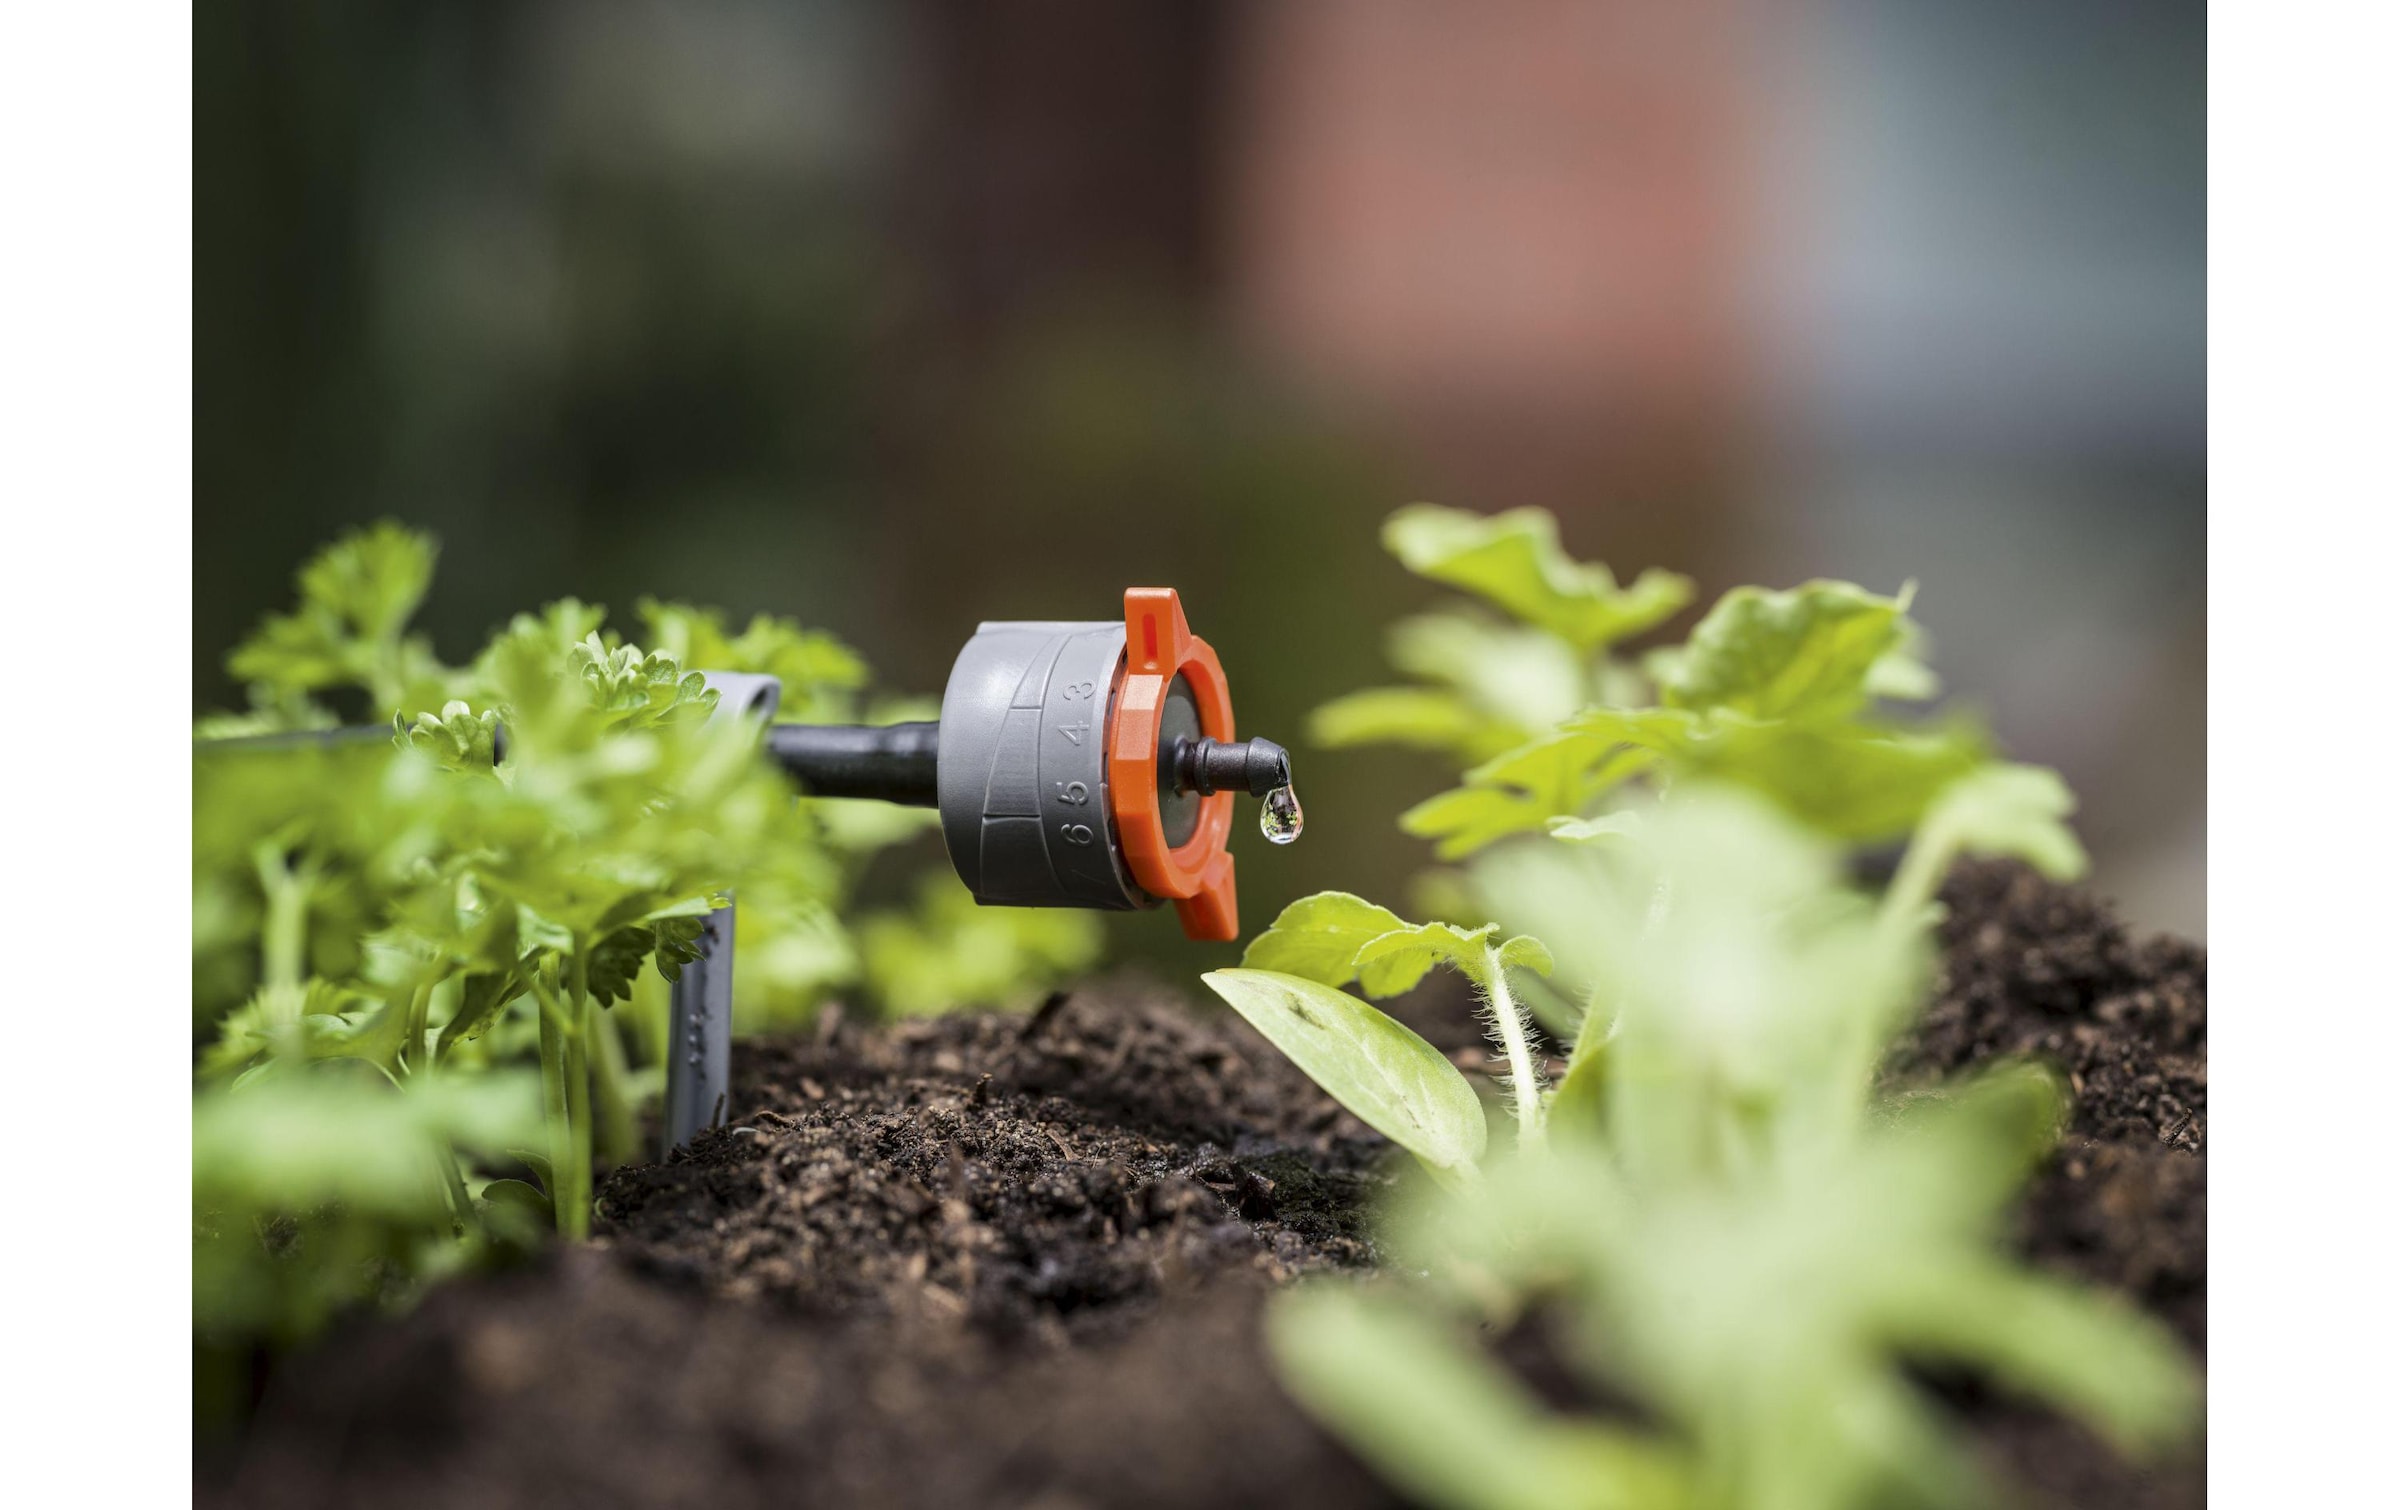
(1003, 1260)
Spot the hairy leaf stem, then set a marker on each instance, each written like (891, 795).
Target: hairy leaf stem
(1525, 1084)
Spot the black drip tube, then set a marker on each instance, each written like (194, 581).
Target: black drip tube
(888, 762)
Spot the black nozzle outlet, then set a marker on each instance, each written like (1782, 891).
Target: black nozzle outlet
(1256, 766)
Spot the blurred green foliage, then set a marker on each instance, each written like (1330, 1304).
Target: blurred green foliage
(388, 930)
(1730, 1226)
(1724, 1223)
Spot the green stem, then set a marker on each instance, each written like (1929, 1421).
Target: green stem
(1907, 899)
(412, 1048)
(1525, 1084)
(454, 1185)
(554, 1100)
(283, 938)
(578, 1181)
(611, 1089)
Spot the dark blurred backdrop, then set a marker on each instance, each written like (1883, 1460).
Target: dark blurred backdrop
(898, 316)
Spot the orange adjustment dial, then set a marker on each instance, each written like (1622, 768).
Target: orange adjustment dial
(1196, 875)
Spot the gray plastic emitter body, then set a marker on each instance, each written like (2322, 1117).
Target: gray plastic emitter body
(700, 1035)
(700, 1003)
(1023, 771)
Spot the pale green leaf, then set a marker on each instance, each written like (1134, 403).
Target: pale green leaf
(1318, 937)
(1847, 778)
(1525, 952)
(2018, 811)
(1599, 830)
(1526, 678)
(1513, 560)
(2052, 1339)
(1802, 653)
(1901, 673)
(1445, 1422)
(1395, 962)
(1389, 1077)
(1417, 717)
(1521, 791)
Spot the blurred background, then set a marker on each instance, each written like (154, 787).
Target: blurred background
(894, 317)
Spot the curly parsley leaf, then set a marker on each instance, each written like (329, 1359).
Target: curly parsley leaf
(349, 627)
(458, 738)
(819, 673)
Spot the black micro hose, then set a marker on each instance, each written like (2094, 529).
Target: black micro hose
(888, 762)
(347, 736)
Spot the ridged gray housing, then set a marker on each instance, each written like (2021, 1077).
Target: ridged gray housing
(1023, 771)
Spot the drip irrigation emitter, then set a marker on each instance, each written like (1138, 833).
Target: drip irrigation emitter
(1075, 764)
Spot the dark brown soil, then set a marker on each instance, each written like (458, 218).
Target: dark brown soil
(2038, 970)
(1019, 1262)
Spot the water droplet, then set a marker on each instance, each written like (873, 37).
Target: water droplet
(1279, 816)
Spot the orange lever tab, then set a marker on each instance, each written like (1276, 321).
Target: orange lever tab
(1156, 633)
(1196, 875)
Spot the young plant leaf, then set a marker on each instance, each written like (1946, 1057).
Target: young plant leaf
(1396, 961)
(1526, 678)
(1318, 937)
(2013, 810)
(1804, 653)
(522, 1197)
(1514, 561)
(1447, 1423)
(1424, 718)
(1557, 776)
(1389, 1077)
(1601, 830)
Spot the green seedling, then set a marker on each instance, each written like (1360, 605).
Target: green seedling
(1396, 1082)
(1489, 687)
(1513, 561)
(1784, 692)
(1736, 1233)
(2016, 810)
(1776, 691)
